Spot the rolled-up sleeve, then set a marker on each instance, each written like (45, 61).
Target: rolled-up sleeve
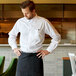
(12, 36)
(52, 32)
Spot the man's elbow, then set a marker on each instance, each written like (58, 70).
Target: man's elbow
(59, 38)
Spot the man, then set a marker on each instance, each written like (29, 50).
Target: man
(32, 30)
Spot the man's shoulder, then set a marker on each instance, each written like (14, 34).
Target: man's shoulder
(20, 19)
(42, 18)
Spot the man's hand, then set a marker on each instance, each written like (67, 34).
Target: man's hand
(42, 53)
(17, 51)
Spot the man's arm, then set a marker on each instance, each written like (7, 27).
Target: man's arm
(51, 31)
(12, 38)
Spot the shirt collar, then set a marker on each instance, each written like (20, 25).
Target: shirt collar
(28, 20)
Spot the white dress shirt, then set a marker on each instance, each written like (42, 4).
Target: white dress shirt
(32, 34)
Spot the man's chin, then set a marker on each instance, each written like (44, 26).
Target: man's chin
(28, 18)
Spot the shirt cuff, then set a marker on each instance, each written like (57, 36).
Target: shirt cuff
(51, 47)
(13, 47)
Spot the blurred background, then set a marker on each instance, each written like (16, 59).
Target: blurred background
(62, 16)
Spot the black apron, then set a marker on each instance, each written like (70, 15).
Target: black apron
(29, 65)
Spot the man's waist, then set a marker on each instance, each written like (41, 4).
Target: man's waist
(28, 50)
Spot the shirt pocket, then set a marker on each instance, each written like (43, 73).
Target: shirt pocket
(34, 36)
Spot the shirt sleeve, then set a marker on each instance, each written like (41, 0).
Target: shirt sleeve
(12, 36)
(52, 32)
